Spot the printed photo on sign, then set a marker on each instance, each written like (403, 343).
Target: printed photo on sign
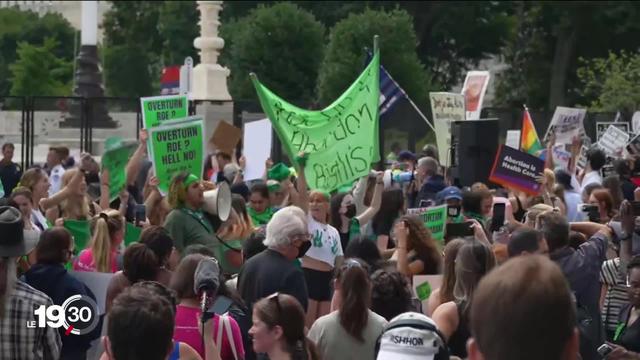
(567, 123)
(613, 141)
(601, 128)
(517, 170)
(445, 108)
(474, 89)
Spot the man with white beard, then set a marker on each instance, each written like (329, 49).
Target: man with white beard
(19, 300)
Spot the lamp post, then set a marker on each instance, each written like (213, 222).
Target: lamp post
(88, 76)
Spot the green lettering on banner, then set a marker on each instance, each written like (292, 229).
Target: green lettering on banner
(115, 161)
(157, 110)
(177, 147)
(434, 219)
(341, 140)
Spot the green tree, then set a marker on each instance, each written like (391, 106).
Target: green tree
(551, 37)
(178, 26)
(26, 26)
(345, 55)
(133, 46)
(38, 71)
(613, 82)
(283, 45)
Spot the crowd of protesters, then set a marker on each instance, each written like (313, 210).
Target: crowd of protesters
(306, 274)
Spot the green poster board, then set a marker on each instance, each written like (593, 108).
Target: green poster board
(341, 140)
(177, 147)
(131, 234)
(158, 109)
(81, 232)
(115, 161)
(434, 219)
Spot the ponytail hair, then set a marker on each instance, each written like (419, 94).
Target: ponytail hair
(105, 225)
(355, 289)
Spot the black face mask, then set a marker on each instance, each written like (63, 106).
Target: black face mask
(351, 211)
(303, 248)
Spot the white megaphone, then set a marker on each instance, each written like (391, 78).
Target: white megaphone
(218, 201)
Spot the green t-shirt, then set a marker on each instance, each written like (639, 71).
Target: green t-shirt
(188, 228)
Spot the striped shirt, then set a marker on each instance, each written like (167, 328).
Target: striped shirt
(616, 296)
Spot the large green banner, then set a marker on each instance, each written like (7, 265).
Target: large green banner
(158, 109)
(341, 140)
(115, 161)
(176, 147)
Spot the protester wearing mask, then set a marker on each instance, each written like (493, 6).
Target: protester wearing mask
(278, 329)
(474, 260)
(452, 197)
(343, 213)
(353, 328)
(274, 270)
(187, 223)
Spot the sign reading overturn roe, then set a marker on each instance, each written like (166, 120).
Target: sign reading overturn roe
(159, 109)
(177, 147)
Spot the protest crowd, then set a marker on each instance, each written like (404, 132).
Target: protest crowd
(400, 262)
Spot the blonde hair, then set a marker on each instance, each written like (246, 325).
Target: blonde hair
(31, 177)
(74, 209)
(104, 226)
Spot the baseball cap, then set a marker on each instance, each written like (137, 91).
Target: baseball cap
(12, 242)
(412, 336)
(406, 155)
(450, 192)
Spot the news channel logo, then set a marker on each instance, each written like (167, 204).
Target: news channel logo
(78, 315)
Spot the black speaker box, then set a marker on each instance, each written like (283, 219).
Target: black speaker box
(473, 148)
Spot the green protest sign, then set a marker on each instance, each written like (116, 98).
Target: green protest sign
(115, 161)
(423, 291)
(131, 234)
(434, 219)
(81, 232)
(177, 147)
(341, 140)
(158, 109)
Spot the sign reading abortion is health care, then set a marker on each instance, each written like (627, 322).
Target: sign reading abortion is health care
(517, 170)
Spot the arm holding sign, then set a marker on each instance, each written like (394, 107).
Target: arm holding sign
(303, 190)
(62, 195)
(548, 164)
(359, 194)
(376, 201)
(135, 163)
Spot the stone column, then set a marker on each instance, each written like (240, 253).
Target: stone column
(210, 78)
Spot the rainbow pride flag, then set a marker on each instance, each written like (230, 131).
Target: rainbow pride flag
(529, 141)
